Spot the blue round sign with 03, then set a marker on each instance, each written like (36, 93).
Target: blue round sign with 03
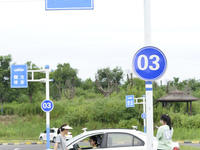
(47, 105)
(143, 115)
(149, 63)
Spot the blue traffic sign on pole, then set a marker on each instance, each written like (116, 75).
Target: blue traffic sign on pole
(19, 76)
(149, 63)
(69, 4)
(47, 105)
(129, 100)
(143, 115)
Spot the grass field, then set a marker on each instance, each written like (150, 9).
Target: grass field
(183, 147)
(18, 141)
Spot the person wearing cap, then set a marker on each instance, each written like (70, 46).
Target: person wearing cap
(61, 139)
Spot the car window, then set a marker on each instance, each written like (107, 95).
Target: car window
(123, 140)
(138, 142)
(52, 131)
(119, 140)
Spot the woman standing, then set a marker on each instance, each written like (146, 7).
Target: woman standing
(164, 134)
(61, 139)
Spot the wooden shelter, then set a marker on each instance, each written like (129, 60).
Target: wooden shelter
(178, 96)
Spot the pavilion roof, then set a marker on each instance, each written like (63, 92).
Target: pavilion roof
(177, 96)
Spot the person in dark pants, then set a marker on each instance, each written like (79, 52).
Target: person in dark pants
(164, 134)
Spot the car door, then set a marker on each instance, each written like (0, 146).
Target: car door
(122, 141)
(44, 136)
(52, 132)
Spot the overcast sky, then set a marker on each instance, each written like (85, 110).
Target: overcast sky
(107, 36)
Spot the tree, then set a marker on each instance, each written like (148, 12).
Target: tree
(65, 78)
(108, 80)
(87, 84)
(4, 78)
(33, 87)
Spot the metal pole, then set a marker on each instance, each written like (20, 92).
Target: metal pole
(149, 91)
(147, 23)
(144, 111)
(47, 113)
(149, 110)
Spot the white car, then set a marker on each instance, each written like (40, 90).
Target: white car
(53, 134)
(115, 139)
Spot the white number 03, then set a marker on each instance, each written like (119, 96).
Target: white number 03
(46, 105)
(146, 62)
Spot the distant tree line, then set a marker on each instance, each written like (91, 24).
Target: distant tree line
(66, 84)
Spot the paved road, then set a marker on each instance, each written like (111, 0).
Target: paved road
(24, 147)
(30, 147)
(190, 144)
(43, 146)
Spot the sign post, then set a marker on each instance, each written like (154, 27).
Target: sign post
(47, 113)
(149, 64)
(19, 79)
(144, 113)
(131, 102)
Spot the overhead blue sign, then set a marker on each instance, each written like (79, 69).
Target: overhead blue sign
(149, 63)
(69, 4)
(129, 100)
(47, 105)
(143, 115)
(19, 76)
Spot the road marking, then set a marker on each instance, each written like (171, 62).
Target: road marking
(28, 143)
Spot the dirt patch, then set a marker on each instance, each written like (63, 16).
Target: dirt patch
(7, 119)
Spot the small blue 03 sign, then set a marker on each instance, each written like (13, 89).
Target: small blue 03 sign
(143, 115)
(149, 63)
(47, 105)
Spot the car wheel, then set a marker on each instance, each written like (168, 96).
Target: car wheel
(54, 139)
(41, 139)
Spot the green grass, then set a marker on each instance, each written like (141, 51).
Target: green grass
(183, 147)
(26, 121)
(18, 141)
(186, 134)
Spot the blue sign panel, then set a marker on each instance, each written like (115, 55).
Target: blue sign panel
(149, 63)
(129, 100)
(69, 4)
(143, 115)
(19, 76)
(47, 105)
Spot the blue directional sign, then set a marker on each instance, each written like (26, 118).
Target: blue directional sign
(143, 115)
(69, 4)
(149, 63)
(129, 100)
(47, 105)
(19, 76)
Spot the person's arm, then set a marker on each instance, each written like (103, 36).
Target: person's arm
(56, 146)
(57, 141)
(159, 134)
